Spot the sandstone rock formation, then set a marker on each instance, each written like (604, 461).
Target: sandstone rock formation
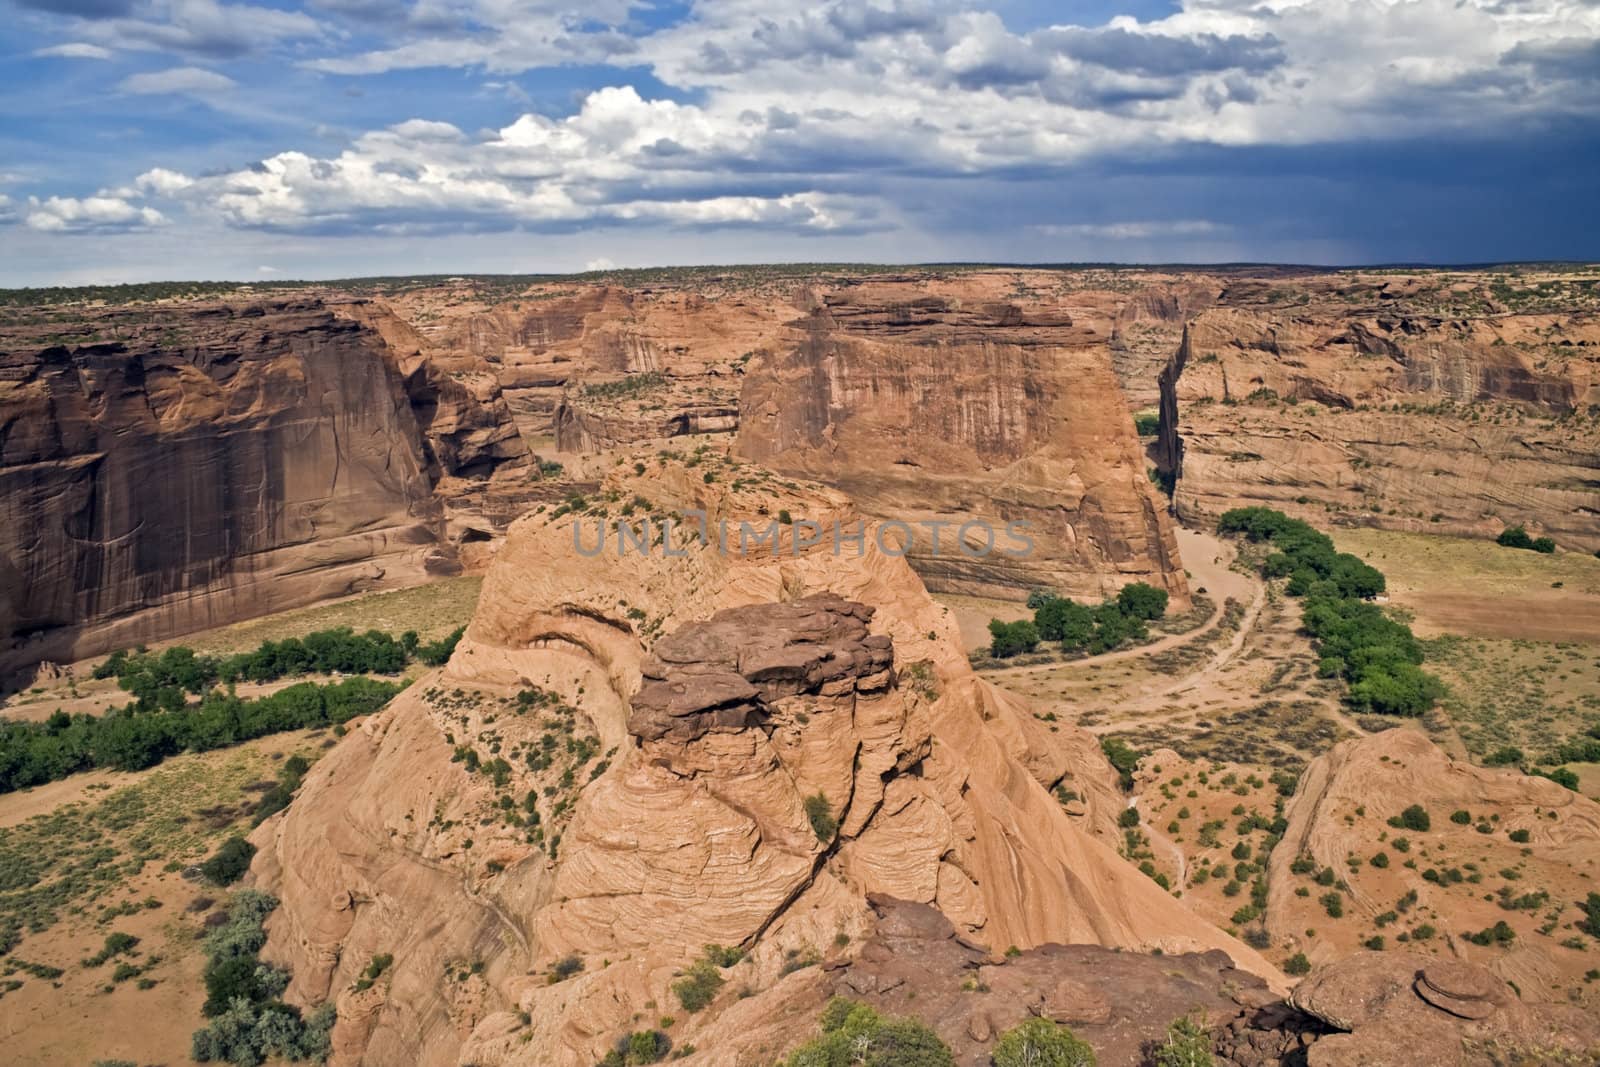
(929, 409)
(1398, 1008)
(785, 732)
(1341, 809)
(912, 963)
(1355, 407)
(561, 337)
(183, 467)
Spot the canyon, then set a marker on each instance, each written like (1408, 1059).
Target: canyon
(699, 787)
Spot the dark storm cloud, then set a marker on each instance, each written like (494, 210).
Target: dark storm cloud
(87, 9)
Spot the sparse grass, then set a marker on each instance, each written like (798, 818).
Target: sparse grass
(84, 852)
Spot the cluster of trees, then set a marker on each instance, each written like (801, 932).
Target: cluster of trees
(1079, 627)
(1304, 555)
(1377, 655)
(1517, 537)
(164, 679)
(249, 1020)
(131, 739)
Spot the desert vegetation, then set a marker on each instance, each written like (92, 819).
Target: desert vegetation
(1376, 654)
(131, 739)
(1079, 628)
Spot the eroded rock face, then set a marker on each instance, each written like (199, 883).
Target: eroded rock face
(784, 733)
(1393, 1008)
(181, 468)
(207, 464)
(1402, 420)
(974, 415)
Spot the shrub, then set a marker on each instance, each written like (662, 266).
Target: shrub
(1188, 1044)
(1590, 923)
(853, 1033)
(249, 1022)
(1521, 837)
(1561, 776)
(1498, 934)
(1333, 904)
(699, 985)
(1123, 757)
(1128, 818)
(1514, 537)
(1142, 601)
(644, 1047)
(820, 814)
(1012, 638)
(1040, 1042)
(228, 864)
(1146, 424)
(1297, 965)
(1414, 817)
(1461, 818)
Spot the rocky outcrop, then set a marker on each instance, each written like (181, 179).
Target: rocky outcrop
(725, 673)
(1384, 417)
(970, 419)
(784, 732)
(1392, 1008)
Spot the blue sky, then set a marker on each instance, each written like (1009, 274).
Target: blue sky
(317, 138)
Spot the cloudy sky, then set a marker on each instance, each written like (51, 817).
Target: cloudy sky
(317, 138)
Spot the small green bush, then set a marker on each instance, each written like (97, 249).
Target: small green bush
(1414, 817)
(1040, 1042)
(229, 863)
(820, 814)
(1188, 1044)
(853, 1033)
(1297, 965)
(698, 987)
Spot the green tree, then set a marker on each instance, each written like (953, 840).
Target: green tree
(1060, 619)
(1011, 638)
(228, 864)
(1142, 601)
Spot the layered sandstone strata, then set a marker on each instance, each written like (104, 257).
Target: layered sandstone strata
(784, 731)
(1389, 417)
(171, 468)
(964, 419)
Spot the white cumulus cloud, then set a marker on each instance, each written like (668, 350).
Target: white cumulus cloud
(65, 214)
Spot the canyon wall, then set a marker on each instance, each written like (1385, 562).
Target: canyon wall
(1396, 418)
(173, 468)
(973, 415)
